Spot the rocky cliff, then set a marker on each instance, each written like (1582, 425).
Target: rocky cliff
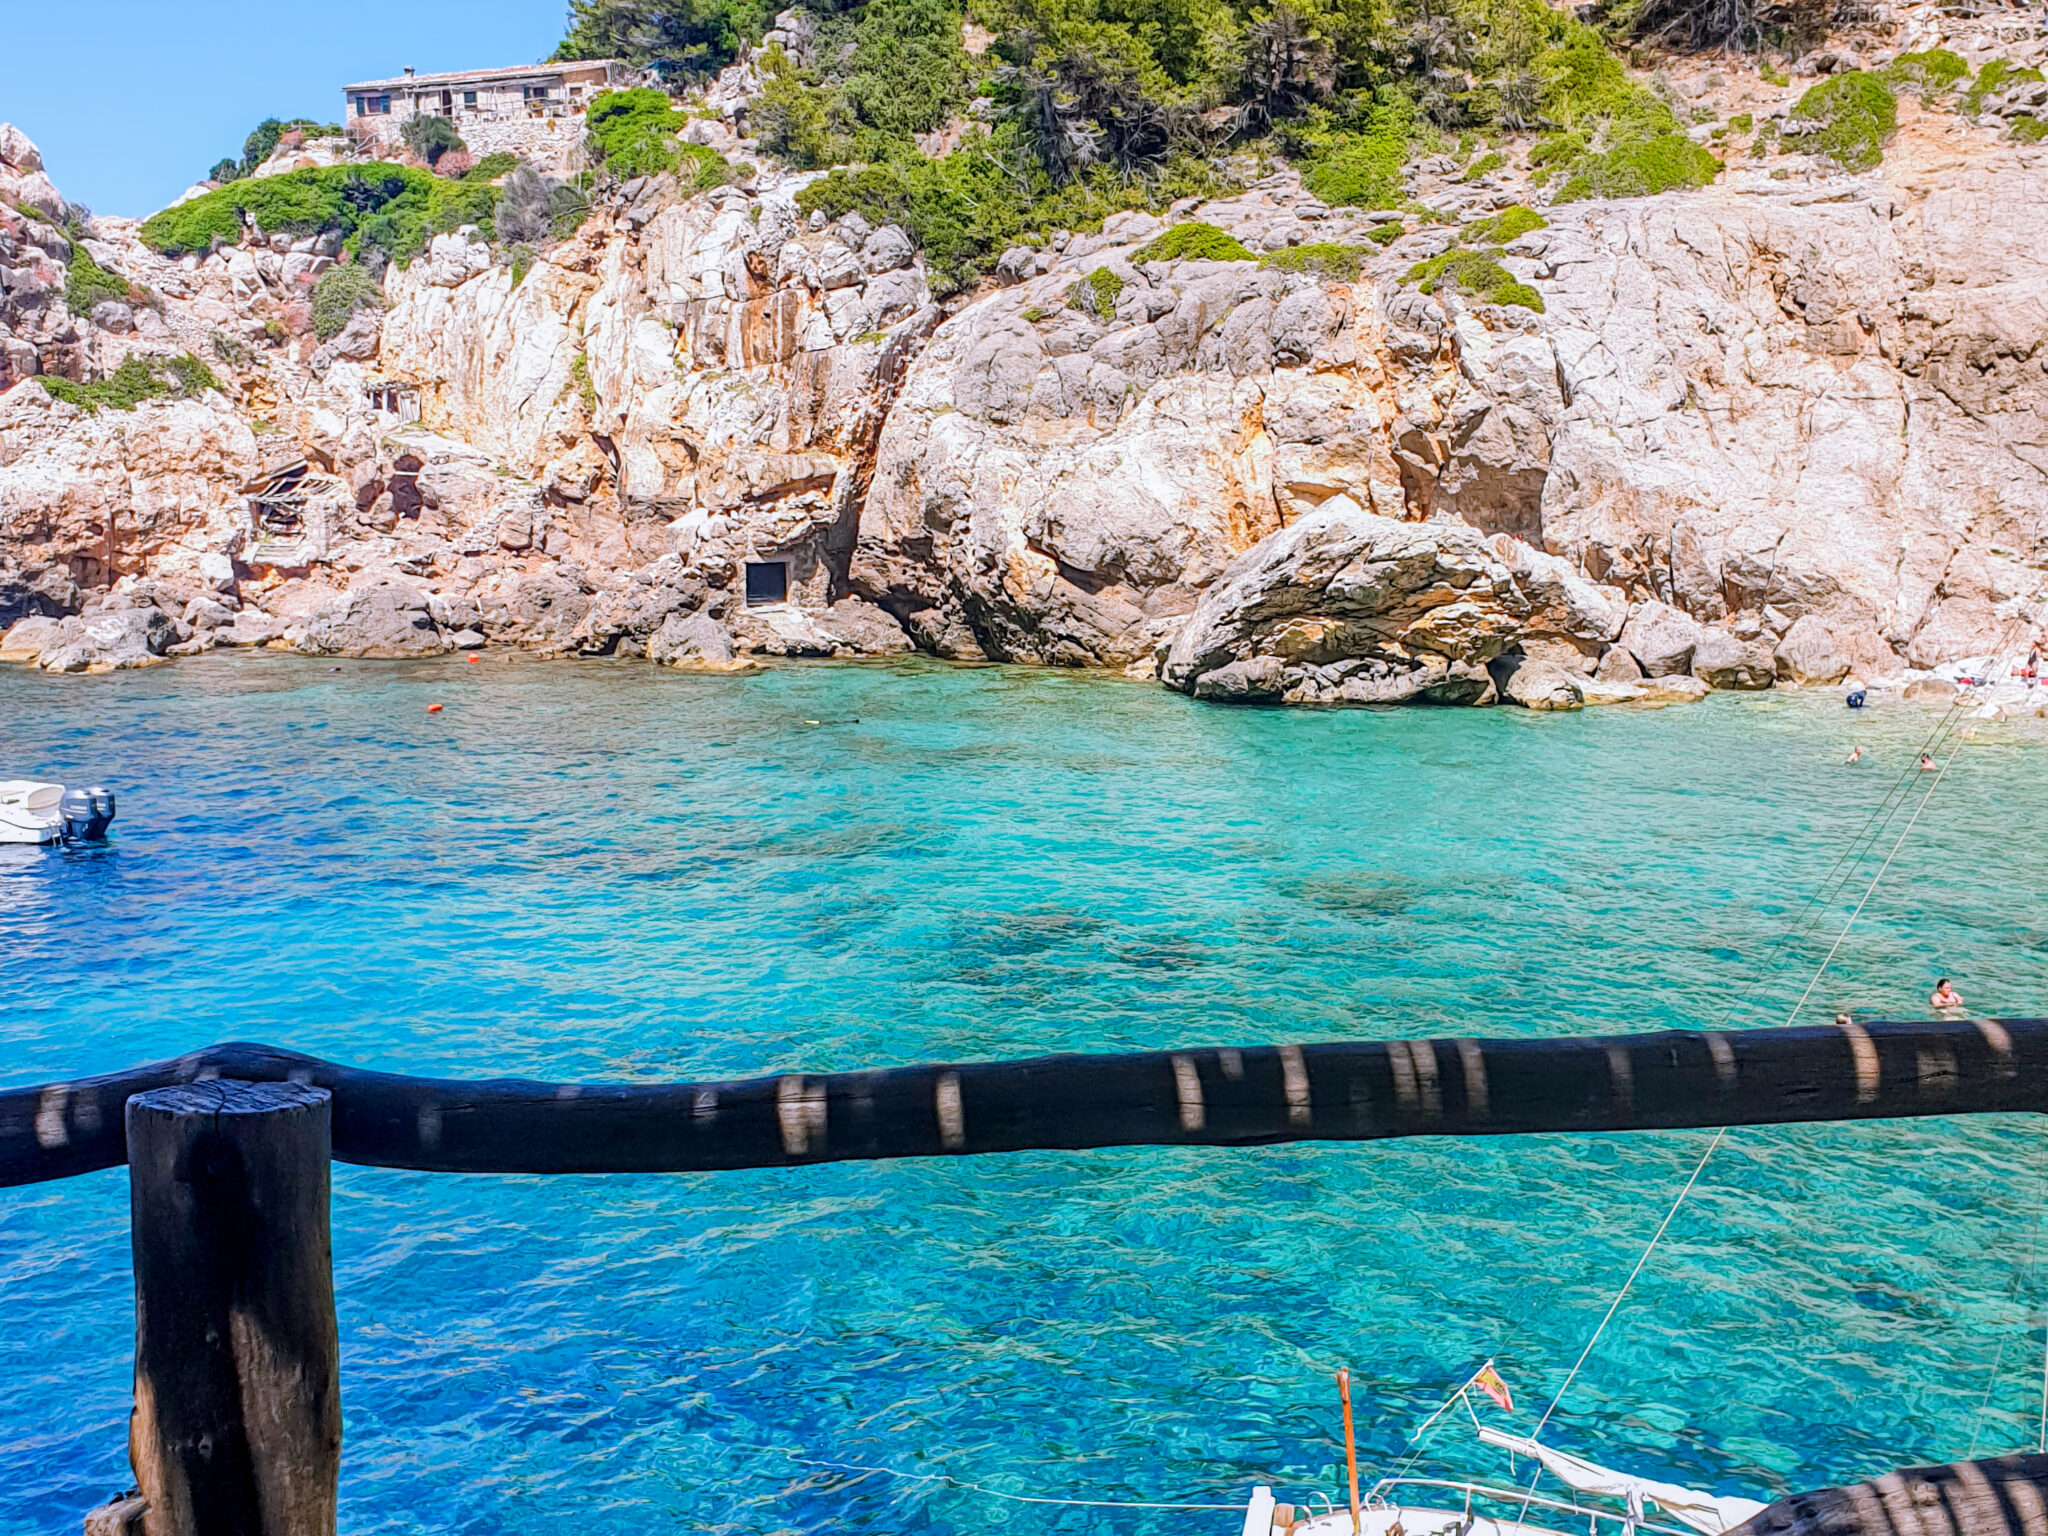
(1769, 429)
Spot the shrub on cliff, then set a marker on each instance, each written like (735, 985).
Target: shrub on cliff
(1506, 225)
(430, 137)
(1477, 272)
(965, 209)
(1192, 241)
(1629, 144)
(1666, 162)
(339, 293)
(1096, 294)
(401, 228)
(793, 120)
(1856, 112)
(1355, 164)
(141, 376)
(534, 209)
(633, 133)
(1994, 77)
(335, 199)
(88, 283)
(1340, 262)
(1931, 73)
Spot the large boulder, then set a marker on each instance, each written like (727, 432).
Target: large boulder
(1662, 639)
(1721, 661)
(1344, 607)
(28, 638)
(1808, 653)
(385, 621)
(107, 641)
(1536, 684)
(693, 640)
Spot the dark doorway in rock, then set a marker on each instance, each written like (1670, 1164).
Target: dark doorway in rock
(767, 582)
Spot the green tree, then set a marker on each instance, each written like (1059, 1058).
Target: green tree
(634, 132)
(430, 137)
(908, 65)
(676, 38)
(790, 117)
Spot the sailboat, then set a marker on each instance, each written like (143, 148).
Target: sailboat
(1401, 1505)
(1428, 1506)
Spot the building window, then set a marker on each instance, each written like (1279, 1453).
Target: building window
(381, 105)
(767, 582)
(536, 92)
(469, 100)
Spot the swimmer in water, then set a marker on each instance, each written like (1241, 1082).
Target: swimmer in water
(1855, 754)
(1945, 996)
(1926, 763)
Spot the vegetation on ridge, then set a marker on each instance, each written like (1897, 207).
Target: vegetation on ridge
(1192, 241)
(1856, 113)
(381, 211)
(87, 283)
(338, 294)
(141, 376)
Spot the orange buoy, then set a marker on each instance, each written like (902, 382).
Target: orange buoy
(433, 709)
(474, 660)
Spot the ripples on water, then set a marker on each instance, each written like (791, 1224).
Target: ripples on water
(607, 871)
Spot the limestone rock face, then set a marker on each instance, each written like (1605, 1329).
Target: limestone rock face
(384, 620)
(1844, 416)
(1345, 607)
(97, 496)
(1060, 486)
(1761, 432)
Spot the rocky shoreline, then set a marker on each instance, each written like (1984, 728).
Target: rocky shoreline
(1760, 433)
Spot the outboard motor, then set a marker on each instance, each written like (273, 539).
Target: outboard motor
(87, 813)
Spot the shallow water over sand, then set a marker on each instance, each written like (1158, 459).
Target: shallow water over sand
(610, 871)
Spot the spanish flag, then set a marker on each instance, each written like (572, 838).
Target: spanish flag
(1488, 1381)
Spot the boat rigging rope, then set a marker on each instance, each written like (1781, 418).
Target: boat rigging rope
(2022, 1282)
(1937, 737)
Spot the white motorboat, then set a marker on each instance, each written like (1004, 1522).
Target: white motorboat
(37, 814)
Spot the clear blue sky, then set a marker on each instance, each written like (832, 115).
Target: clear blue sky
(132, 100)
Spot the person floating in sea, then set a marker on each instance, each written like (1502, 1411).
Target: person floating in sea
(1945, 996)
(1855, 754)
(1927, 764)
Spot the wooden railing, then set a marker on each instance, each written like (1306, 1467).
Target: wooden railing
(236, 1426)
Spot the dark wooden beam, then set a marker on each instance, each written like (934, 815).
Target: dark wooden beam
(236, 1429)
(2005, 1497)
(1344, 1091)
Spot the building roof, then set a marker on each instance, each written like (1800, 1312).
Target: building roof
(474, 76)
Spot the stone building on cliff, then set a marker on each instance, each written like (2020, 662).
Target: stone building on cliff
(526, 109)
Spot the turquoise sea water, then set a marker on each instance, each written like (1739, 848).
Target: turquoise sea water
(610, 871)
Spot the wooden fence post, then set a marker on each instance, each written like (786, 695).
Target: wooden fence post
(236, 1429)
